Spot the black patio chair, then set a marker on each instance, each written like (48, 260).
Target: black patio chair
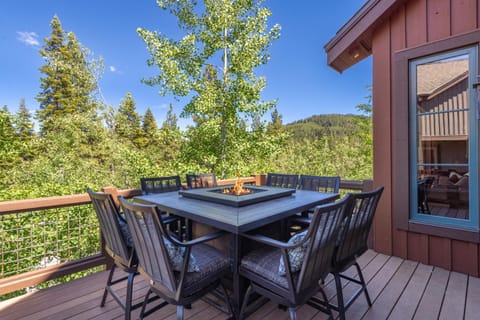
(155, 185)
(312, 183)
(204, 180)
(178, 272)
(319, 183)
(160, 184)
(351, 244)
(118, 246)
(282, 180)
(289, 273)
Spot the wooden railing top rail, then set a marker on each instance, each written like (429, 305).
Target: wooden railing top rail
(18, 206)
(360, 185)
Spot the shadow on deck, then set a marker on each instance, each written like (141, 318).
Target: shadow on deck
(400, 289)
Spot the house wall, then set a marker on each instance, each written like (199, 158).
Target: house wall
(415, 23)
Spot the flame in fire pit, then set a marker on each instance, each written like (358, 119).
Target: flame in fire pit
(237, 189)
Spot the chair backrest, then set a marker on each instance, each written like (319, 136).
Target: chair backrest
(282, 180)
(147, 232)
(319, 183)
(356, 225)
(108, 219)
(160, 184)
(204, 180)
(322, 235)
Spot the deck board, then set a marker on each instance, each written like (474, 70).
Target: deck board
(375, 286)
(400, 289)
(406, 306)
(392, 291)
(472, 309)
(453, 306)
(432, 298)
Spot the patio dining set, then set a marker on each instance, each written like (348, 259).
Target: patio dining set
(273, 242)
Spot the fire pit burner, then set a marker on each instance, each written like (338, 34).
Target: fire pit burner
(226, 195)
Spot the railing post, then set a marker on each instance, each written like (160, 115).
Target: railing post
(114, 192)
(260, 179)
(367, 185)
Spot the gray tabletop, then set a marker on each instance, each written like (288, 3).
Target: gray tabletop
(237, 219)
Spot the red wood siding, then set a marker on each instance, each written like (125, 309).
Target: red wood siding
(438, 17)
(415, 23)
(398, 42)
(381, 131)
(464, 16)
(440, 252)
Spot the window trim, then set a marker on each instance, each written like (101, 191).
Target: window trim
(401, 141)
(472, 221)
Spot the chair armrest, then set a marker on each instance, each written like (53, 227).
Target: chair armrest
(301, 220)
(169, 219)
(205, 238)
(273, 242)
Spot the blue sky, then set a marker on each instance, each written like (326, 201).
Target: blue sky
(297, 74)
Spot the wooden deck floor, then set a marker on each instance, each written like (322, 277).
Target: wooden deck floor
(400, 289)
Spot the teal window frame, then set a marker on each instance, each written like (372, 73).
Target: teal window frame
(472, 223)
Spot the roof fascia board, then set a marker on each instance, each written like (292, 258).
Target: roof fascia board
(359, 25)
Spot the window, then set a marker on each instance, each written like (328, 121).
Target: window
(443, 144)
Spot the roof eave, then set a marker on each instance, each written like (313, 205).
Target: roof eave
(353, 42)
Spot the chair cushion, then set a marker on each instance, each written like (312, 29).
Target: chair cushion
(176, 255)
(264, 262)
(210, 263)
(294, 255)
(125, 231)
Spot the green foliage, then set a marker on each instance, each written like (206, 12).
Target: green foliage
(225, 98)
(8, 143)
(325, 125)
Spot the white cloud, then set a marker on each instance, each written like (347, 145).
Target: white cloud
(112, 68)
(28, 38)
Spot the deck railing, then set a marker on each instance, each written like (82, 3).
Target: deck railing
(49, 238)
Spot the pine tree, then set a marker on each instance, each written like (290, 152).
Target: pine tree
(69, 80)
(171, 136)
(24, 130)
(171, 119)
(127, 120)
(8, 142)
(23, 122)
(149, 124)
(276, 126)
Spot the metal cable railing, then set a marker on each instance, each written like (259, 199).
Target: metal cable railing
(37, 239)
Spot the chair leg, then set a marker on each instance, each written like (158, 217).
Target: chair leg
(145, 302)
(128, 299)
(227, 299)
(364, 285)
(292, 313)
(109, 282)
(179, 312)
(245, 302)
(340, 301)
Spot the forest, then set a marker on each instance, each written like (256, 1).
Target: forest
(80, 142)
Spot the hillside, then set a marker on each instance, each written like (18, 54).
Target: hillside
(317, 126)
